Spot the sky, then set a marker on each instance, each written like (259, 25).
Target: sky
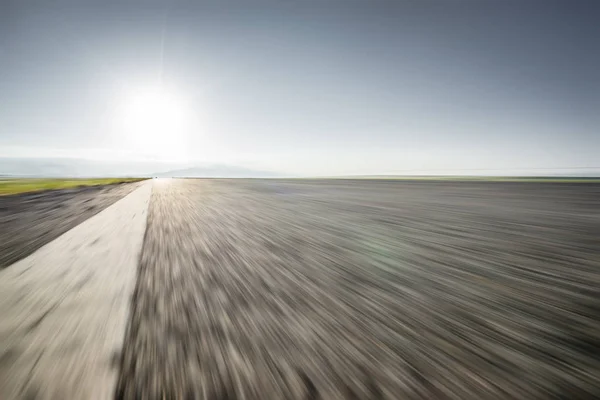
(305, 88)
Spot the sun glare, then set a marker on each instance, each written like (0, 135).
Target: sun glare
(155, 124)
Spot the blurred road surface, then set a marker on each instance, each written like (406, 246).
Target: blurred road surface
(366, 290)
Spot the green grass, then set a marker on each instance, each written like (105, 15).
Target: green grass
(14, 186)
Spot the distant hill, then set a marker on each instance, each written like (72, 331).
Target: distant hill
(216, 171)
(75, 167)
(82, 168)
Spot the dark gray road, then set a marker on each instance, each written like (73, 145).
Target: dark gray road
(30, 220)
(366, 290)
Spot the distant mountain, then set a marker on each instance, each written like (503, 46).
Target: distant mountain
(82, 168)
(216, 171)
(75, 167)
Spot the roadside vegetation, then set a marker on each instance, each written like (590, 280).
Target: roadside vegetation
(18, 185)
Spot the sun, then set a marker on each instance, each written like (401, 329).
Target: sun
(155, 123)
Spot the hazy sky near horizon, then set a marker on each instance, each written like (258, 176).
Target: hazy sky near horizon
(304, 87)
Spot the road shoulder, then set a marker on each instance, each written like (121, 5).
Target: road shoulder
(65, 307)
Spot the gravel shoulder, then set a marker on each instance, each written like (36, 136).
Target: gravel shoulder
(30, 220)
(366, 290)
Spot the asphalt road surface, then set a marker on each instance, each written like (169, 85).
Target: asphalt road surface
(253, 289)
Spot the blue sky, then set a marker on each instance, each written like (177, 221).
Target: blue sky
(305, 88)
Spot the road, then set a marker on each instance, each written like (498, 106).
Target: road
(253, 289)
